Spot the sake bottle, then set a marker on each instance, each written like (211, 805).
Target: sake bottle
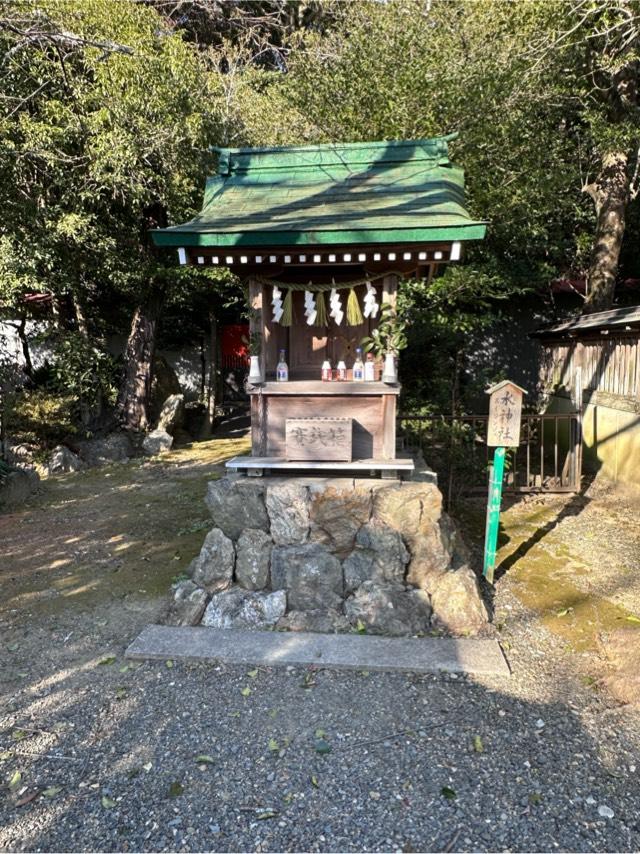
(358, 366)
(326, 371)
(370, 368)
(282, 369)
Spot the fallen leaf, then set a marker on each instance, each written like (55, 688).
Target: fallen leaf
(107, 803)
(175, 789)
(6, 754)
(124, 668)
(28, 798)
(266, 814)
(121, 692)
(12, 647)
(273, 713)
(273, 745)
(320, 733)
(322, 746)
(535, 798)
(245, 691)
(448, 793)
(563, 612)
(148, 766)
(234, 714)
(52, 791)
(364, 673)
(169, 663)
(308, 681)
(633, 619)
(478, 746)
(361, 627)
(108, 660)
(314, 781)
(18, 734)
(252, 674)
(288, 798)
(15, 779)
(205, 759)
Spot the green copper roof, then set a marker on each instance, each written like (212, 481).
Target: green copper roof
(369, 192)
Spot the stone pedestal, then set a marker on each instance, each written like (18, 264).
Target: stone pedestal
(342, 554)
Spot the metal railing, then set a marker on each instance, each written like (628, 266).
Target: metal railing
(548, 458)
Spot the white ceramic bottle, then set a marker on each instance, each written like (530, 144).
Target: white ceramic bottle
(370, 369)
(282, 369)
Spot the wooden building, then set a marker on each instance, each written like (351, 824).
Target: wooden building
(323, 234)
(591, 364)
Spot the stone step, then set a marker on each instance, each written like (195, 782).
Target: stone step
(344, 652)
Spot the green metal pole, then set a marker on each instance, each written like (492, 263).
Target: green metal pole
(493, 514)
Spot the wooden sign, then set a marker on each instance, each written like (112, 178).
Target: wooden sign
(505, 412)
(319, 439)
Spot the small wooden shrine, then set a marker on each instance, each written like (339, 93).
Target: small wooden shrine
(323, 234)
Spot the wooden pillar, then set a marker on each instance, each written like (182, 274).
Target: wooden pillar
(256, 317)
(390, 289)
(389, 294)
(388, 403)
(258, 402)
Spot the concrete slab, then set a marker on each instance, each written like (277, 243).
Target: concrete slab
(347, 652)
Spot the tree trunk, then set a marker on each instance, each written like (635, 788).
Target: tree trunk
(24, 343)
(81, 319)
(610, 193)
(135, 392)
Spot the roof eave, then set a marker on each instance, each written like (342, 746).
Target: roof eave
(182, 236)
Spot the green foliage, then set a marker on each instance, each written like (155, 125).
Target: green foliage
(106, 123)
(389, 336)
(101, 138)
(82, 371)
(43, 416)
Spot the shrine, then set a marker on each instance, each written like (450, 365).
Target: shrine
(323, 235)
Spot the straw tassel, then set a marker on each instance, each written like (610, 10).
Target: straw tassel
(354, 315)
(287, 310)
(321, 310)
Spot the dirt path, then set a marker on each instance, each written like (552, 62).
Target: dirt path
(109, 535)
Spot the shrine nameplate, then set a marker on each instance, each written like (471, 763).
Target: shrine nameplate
(319, 439)
(505, 414)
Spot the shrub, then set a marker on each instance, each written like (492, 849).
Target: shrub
(40, 415)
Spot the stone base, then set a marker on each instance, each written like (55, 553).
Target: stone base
(331, 555)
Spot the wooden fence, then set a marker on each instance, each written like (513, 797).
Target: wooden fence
(547, 460)
(608, 364)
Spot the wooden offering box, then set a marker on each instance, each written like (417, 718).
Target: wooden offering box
(319, 439)
(370, 407)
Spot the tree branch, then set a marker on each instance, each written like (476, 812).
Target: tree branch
(34, 35)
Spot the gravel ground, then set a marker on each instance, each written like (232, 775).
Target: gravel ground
(304, 759)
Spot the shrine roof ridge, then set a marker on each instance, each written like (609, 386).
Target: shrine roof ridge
(331, 194)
